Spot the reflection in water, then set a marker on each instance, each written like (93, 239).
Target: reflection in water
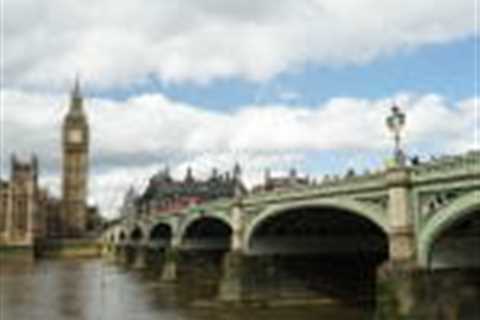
(91, 289)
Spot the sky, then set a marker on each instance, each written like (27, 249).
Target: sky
(268, 84)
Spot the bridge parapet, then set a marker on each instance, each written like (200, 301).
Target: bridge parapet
(447, 167)
(348, 186)
(217, 205)
(440, 182)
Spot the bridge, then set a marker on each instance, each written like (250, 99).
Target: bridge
(406, 217)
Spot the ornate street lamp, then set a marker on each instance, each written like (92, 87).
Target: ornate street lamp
(395, 123)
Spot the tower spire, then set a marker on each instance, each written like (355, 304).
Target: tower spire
(77, 93)
(76, 102)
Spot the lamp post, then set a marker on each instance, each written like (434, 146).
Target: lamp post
(395, 123)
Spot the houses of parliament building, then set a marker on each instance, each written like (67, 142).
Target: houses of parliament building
(28, 212)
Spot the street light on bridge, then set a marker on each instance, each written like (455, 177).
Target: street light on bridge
(395, 123)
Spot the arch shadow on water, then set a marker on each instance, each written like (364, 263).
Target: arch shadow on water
(160, 239)
(135, 238)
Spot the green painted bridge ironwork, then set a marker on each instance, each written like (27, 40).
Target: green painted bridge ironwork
(413, 205)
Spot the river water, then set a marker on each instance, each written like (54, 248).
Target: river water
(96, 290)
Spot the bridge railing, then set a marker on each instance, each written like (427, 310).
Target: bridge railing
(334, 185)
(448, 166)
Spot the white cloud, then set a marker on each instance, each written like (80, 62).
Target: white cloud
(132, 139)
(115, 43)
(112, 43)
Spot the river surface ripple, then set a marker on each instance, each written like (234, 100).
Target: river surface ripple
(94, 290)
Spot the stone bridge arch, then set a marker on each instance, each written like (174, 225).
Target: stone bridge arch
(121, 234)
(459, 209)
(193, 219)
(160, 233)
(137, 232)
(373, 214)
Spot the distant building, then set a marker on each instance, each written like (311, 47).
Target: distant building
(128, 206)
(28, 212)
(50, 219)
(163, 194)
(289, 182)
(18, 203)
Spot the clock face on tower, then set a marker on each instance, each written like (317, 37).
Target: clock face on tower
(74, 136)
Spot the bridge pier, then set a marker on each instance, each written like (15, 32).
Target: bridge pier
(402, 244)
(121, 255)
(154, 259)
(170, 261)
(231, 287)
(404, 292)
(397, 287)
(108, 251)
(397, 279)
(139, 252)
(115, 253)
(248, 279)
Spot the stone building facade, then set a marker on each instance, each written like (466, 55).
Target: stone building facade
(163, 194)
(50, 224)
(29, 212)
(18, 203)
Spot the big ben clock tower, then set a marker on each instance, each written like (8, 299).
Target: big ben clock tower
(75, 138)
